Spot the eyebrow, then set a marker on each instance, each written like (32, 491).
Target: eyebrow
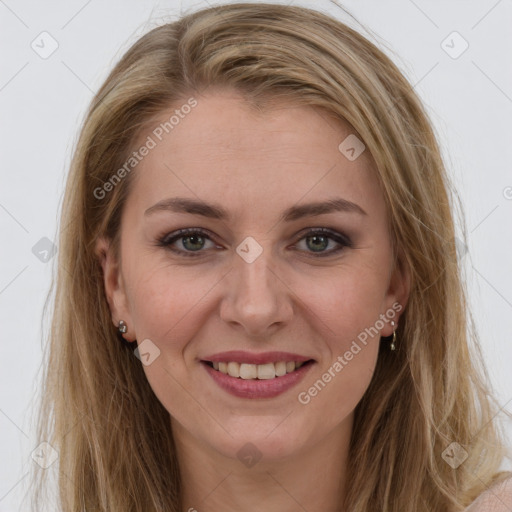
(216, 211)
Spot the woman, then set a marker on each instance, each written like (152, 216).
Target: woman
(259, 294)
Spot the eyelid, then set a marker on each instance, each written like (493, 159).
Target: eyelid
(334, 234)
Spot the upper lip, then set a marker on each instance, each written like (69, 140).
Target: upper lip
(240, 356)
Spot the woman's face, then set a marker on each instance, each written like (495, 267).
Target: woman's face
(256, 283)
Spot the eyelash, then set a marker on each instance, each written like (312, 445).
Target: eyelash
(167, 241)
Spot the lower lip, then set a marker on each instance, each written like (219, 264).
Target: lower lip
(256, 388)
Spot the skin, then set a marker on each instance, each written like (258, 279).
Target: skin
(496, 499)
(255, 165)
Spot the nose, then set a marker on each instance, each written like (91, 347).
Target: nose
(258, 299)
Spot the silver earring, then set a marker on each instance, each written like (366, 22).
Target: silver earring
(122, 327)
(392, 346)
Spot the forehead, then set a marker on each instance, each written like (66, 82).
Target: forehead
(225, 150)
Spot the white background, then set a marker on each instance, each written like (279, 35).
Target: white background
(42, 102)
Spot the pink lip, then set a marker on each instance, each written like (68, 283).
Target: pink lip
(257, 388)
(241, 356)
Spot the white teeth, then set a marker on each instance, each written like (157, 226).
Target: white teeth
(266, 371)
(280, 368)
(256, 371)
(248, 371)
(233, 369)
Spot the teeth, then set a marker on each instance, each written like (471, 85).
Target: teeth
(248, 371)
(266, 371)
(281, 368)
(257, 371)
(233, 369)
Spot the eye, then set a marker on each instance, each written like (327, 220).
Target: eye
(317, 241)
(193, 240)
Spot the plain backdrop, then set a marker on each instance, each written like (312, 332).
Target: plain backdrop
(456, 53)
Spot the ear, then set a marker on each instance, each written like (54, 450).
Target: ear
(398, 293)
(114, 286)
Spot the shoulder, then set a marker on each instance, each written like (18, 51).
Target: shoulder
(497, 498)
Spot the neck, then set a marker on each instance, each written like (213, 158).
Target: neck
(310, 479)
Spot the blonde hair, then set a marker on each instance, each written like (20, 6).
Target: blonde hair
(116, 451)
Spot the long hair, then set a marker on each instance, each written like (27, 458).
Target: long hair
(112, 435)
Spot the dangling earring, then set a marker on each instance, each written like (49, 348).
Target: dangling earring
(392, 346)
(122, 327)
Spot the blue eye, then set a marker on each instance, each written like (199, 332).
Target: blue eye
(193, 240)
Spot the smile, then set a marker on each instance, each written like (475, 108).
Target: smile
(256, 371)
(246, 375)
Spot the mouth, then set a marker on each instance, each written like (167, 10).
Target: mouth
(257, 376)
(247, 371)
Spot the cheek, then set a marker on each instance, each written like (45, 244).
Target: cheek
(345, 311)
(165, 304)
(164, 299)
(330, 396)
(344, 301)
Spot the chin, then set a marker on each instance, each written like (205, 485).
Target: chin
(268, 439)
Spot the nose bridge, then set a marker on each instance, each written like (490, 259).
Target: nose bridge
(253, 272)
(257, 298)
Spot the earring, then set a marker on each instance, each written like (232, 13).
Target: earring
(122, 327)
(392, 346)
